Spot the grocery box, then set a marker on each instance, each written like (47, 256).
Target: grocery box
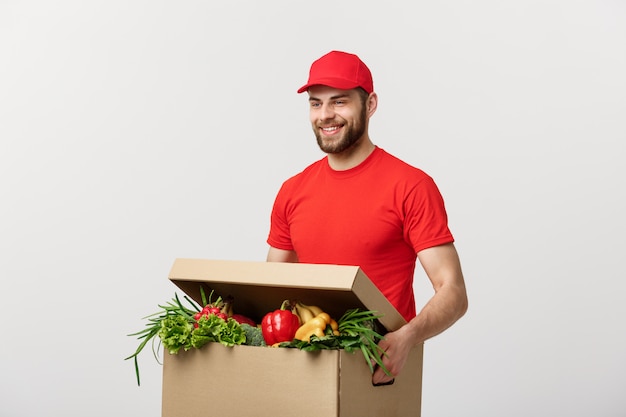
(265, 381)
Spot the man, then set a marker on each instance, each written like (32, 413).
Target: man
(361, 206)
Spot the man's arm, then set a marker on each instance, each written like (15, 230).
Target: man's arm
(281, 255)
(448, 304)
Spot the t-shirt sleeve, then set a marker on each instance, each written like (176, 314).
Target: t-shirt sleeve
(426, 223)
(279, 235)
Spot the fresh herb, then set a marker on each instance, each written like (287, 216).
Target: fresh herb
(184, 327)
(174, 310)
(357, 332)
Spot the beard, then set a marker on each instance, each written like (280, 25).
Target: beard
(351, 134)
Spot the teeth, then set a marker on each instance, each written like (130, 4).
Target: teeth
(330, 129)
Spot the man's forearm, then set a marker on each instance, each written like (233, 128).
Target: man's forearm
(447, 306)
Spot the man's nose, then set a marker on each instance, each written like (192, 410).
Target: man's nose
(327, 112)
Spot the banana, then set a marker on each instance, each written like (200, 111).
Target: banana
(307, 313)
(303, 313)
(295, 310)
(314, 309)
(227, 308)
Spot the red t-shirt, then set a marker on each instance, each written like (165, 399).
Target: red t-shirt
(377, 215)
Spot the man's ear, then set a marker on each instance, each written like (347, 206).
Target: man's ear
(372, 104)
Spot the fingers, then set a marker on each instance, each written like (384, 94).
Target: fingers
(379, 377)
(380, 384)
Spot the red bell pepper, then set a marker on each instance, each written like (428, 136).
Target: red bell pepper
(279, 326)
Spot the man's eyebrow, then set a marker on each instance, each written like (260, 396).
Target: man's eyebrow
(338, 96)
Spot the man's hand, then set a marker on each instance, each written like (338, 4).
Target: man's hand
(397, 346)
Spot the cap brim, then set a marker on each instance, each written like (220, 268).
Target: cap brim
(303, 88)
(338, 83)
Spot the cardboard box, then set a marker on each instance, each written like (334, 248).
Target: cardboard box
(250, 381)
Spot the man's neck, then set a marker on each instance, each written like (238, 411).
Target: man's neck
(351, 157)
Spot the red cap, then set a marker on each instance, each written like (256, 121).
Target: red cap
(340, 70)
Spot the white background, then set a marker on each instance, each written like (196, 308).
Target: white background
(136, 132)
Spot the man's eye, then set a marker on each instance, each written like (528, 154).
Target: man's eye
(314, 105)
(340, 103)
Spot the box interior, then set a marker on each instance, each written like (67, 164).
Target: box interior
(260, 287)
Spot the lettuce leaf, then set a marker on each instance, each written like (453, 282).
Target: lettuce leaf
(175, 333)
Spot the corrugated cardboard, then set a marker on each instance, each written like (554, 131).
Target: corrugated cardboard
(258, 381)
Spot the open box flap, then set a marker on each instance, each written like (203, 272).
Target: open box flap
(260, 287)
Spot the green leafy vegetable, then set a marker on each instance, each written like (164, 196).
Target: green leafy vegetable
(176, 333)
(180, 327)
(214, 329)
(174, 308)
(357, 332)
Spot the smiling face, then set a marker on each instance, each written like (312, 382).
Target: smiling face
(338, 117)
